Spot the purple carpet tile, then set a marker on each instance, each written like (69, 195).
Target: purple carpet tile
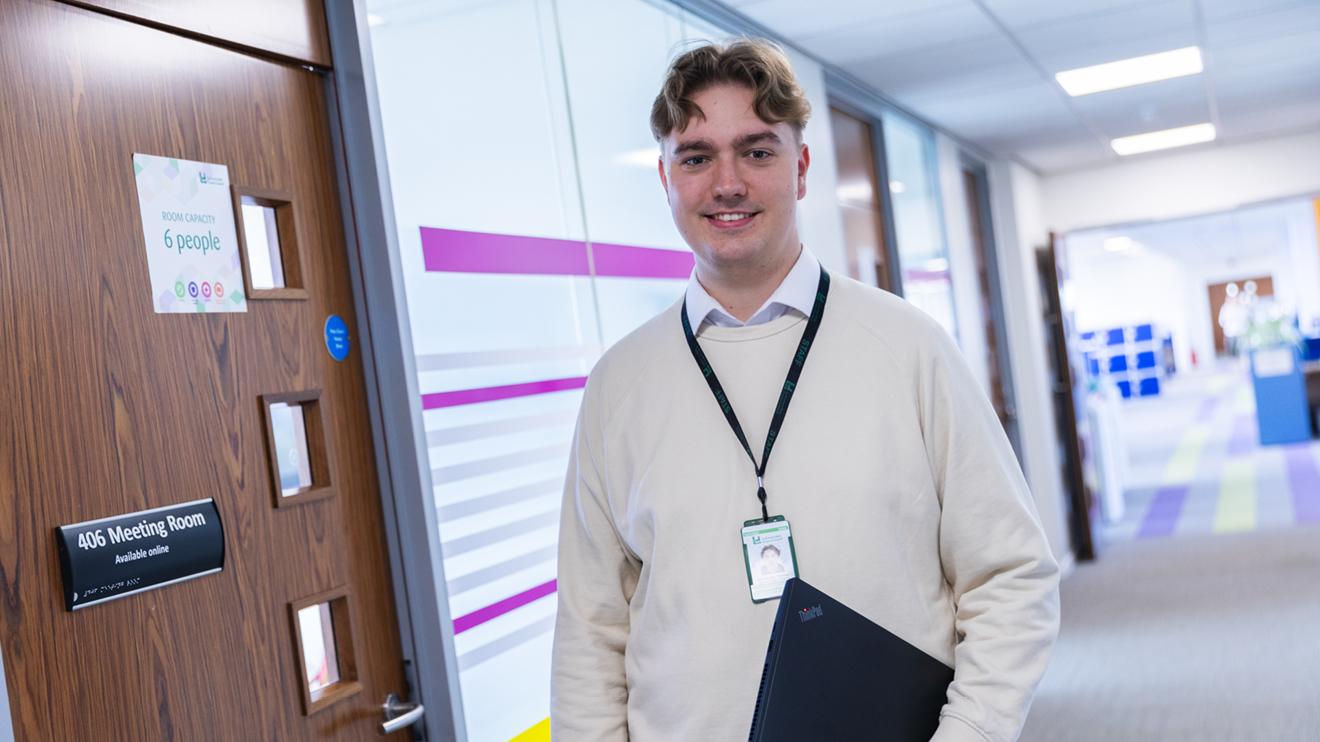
(1304, 479)
(1243, 439)
(1165, 509)
(1207, 410)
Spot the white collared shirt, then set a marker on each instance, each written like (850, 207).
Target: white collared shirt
(797, 291)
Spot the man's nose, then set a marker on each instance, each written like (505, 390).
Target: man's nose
(728, 181)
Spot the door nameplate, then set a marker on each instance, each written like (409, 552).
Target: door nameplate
(122, 555)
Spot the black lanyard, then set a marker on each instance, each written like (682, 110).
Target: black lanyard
(785, 395)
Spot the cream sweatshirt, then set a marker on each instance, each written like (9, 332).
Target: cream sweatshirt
(905, 500)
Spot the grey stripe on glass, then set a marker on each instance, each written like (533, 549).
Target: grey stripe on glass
(467, 469)
(494, 535)
(464, 433)
(500, 499)
(444, 361)
(503, 569)
(491, 650)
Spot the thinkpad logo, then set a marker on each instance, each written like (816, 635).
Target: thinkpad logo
(806, 614)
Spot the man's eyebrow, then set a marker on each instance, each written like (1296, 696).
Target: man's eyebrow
(760, 137)
(693, 145)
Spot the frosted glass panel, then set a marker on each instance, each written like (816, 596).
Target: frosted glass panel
(317, 634)
(261, 237)
(289, 430)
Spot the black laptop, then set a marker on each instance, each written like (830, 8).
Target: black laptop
(831, 674)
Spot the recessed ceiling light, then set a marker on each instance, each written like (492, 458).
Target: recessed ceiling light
(1151, 141)
(1128, 72)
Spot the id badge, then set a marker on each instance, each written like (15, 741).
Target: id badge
(769, 556)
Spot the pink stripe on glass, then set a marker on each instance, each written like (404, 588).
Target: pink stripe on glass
(627, 261)
(491, 612)
(454, 251)
(458, 397)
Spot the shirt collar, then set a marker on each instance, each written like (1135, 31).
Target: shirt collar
(797, 291)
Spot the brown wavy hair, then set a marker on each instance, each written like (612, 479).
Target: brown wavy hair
(756, 64)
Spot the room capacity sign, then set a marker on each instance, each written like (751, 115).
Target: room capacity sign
(192, 244)
(126, 554)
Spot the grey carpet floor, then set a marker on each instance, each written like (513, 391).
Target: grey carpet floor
(1202, 637)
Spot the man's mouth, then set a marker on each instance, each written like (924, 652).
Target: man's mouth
(731, 219)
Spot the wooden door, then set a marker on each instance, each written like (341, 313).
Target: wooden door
(1219, 295)
(1082, 505)
(859, 198)
(111, 408)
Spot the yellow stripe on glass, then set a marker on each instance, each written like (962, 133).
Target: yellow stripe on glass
(538, 733)
(1181, 468)
(1237, 497)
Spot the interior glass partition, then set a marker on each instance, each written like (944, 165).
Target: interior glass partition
(922, 249)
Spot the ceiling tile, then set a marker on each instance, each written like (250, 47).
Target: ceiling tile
(1017, 14)
(1131, 32)
(1082, 152)
(1005, 115)
(1241, 124)
(1264, 23)
(796, 21)
(1151, 107)
(955, 69)
(934, 27)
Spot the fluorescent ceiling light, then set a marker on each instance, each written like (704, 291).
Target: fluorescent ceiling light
(1151, 141)
(1128, 72)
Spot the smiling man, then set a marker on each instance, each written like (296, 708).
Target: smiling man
(891, 485)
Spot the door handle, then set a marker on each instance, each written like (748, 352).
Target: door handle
(399, 715)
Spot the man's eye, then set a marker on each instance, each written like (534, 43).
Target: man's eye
(760, 154)
(694, 160)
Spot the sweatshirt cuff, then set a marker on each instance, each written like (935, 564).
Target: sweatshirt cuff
(953, 729)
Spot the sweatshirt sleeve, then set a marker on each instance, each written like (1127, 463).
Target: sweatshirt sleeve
(994, 554)
(589, 690)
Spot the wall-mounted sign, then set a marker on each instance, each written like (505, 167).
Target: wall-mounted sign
(336, 337)
(115, 557)
(192, 244)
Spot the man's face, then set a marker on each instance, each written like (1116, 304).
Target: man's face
(733, 181)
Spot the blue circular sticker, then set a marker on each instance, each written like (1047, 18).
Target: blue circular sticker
(336, 337)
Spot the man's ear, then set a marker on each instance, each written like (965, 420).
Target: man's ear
(664, 180)
(804, 161)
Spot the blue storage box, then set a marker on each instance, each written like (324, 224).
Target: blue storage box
(1117, 364)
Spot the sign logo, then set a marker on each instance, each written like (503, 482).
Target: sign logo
(808, 614)
(206, 289)
(192, 289)
(178, 289)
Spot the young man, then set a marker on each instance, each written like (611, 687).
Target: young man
(902, 495)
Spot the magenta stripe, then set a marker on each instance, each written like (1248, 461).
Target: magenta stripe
(478, 252)
(640, 262)
(491, 612)
(437, 400)
(455, 251)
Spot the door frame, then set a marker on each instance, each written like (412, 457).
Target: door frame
(985, 230)
(390, 368)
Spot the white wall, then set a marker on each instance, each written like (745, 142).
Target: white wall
(1197, 181)
(1019, 229)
